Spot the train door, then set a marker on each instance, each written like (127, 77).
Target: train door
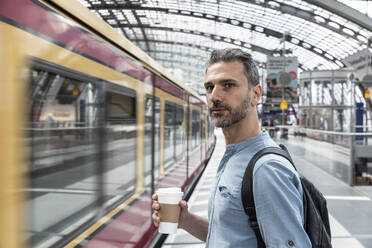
(173, 133)
(152, 141)
(120, 152)
(169, 134)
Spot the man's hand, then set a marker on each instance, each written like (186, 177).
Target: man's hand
(183, 213)
(193, 224)
(156, 208)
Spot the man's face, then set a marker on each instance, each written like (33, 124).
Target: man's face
(228, 96)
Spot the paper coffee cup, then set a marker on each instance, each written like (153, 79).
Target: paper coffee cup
(169, 212)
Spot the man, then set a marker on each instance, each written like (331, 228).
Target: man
(233, 92)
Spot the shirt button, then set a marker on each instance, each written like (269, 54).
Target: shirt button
(290, 243)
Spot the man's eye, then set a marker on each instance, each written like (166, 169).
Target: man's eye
(209, 88)
(228, 85)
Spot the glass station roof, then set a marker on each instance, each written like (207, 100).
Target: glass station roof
(181, 33)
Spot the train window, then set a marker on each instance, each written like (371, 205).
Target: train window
(173, 133)
(148, 136)
(169, 134)
(121, 146)
(120, 108)
(62, 171)
(195, 141)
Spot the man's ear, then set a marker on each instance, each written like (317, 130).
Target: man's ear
(256, 95)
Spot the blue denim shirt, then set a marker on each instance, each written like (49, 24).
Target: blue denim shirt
(278, 199)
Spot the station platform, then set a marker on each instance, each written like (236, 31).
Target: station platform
(350, 208)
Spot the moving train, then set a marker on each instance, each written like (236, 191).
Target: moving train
(91, 126)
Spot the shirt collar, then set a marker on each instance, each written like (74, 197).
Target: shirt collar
(232, 148)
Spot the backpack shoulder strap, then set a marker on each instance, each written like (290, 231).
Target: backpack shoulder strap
(247, 187)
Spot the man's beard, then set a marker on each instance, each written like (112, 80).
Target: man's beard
(233, 116)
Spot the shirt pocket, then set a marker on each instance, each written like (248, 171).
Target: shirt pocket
(229, 198)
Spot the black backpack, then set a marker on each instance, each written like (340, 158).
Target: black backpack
(316, 222)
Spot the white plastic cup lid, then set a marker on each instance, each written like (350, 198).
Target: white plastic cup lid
(169, 191)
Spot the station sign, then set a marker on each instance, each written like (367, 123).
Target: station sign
(282, 78)
(360, 62)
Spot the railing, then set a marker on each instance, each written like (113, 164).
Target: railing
(345, 139)
(359, 143)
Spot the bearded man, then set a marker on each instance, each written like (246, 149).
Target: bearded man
(233, 92)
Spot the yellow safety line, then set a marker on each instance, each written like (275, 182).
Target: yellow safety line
(102, 221)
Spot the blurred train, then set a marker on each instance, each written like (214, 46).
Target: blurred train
(90, 127)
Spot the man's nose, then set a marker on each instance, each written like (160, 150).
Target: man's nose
(216, 94)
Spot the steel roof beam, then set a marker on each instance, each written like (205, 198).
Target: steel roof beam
(113, 16)
(196, 57)
(361, 20)
(308, 16)
(204, 48)
(227, 40)
(283, 8)
(186, 55)
(215, 38)
(344, 11)
(140, 26)
(245, 25)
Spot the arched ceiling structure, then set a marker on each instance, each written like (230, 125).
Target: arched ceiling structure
(181, 33)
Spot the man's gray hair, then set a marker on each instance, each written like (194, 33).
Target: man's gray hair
(236, 54)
